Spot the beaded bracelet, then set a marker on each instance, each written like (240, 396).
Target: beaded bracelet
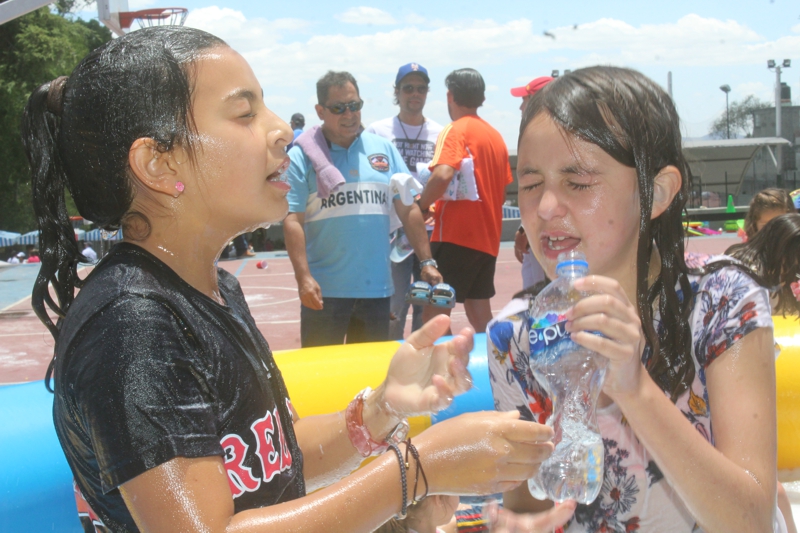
(403, 481)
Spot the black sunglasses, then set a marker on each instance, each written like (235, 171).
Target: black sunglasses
(409, 89)
(339, 109)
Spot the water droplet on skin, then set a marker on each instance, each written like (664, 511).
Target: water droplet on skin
(752, 475)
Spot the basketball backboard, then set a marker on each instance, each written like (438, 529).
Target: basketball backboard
(108, 12)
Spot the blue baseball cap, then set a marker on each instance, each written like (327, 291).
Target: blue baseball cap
(411, 68)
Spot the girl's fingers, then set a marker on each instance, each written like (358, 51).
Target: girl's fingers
(529, 456)
(517, 430)
(617, 330)
(606, 304)
(461, 378)
(605, 347)
(601, 284)
(425, 336)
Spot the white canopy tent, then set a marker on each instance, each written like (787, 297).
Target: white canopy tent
(710, 160)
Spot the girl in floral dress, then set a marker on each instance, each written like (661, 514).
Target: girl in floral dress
(687, 413)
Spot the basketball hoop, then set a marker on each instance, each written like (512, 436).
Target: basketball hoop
(161, 16)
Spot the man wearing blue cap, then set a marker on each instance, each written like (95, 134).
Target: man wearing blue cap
(414, 135)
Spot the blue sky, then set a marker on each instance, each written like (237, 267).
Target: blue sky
(704, 43)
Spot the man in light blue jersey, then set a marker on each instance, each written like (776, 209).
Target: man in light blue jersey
(339, 242)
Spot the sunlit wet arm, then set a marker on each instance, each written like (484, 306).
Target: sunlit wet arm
(730, 487)
(295, 236)
(193, 495)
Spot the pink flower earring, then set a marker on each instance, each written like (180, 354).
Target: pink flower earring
(179, 186)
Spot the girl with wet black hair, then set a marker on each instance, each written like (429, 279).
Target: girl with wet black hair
(774, 254)
(601, 171)
(168, 404)
(766, 205)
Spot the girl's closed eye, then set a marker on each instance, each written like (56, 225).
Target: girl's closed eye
(531, 187)
(579, 186)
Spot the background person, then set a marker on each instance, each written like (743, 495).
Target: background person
(17, 258)
(766, 205)
(168, 404)
(89, 253)
(466, 238)
(532, 272)
(414, 136)
(297, 123)
(338, 241)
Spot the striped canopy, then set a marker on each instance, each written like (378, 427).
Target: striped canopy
(97, 235)
(8, 238)
(32, 237)
(510, 211)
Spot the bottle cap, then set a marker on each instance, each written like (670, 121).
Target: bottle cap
(572, 258)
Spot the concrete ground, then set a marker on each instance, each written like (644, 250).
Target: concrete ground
(26, 346)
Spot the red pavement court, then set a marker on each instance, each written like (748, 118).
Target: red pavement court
(26, 346)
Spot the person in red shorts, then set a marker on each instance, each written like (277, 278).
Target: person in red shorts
(466, 237)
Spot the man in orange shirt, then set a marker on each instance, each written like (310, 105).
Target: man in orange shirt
(466, 235)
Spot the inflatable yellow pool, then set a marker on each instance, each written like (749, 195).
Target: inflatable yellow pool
(36, 484)
(324, 380)
(787, 370)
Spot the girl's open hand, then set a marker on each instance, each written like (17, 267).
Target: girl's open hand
(424, 378)
(609, 312)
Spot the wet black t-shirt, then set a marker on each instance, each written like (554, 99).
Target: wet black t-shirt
(149, 369)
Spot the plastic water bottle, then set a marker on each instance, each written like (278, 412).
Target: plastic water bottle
(573, 377)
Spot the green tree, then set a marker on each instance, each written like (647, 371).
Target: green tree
(34, 49)
(741, 118)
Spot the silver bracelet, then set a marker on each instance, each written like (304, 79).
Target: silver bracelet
(429, 262)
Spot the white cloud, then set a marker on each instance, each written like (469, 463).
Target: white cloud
(413, 18)
(796, 28)
(760, 90)
(288, 57)
(691, 41)
(366, 15)
(244, 35)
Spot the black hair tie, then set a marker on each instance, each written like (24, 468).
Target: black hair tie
(55, 95)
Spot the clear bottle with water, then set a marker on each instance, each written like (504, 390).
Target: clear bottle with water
(573, 378)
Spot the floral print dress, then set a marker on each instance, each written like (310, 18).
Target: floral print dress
(726, 306)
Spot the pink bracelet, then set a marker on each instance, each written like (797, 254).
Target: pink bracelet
(357, 431)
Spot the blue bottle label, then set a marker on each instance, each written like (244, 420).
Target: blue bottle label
(547, 331)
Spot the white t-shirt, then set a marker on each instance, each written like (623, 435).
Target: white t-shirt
(90, 254)
(415, 143)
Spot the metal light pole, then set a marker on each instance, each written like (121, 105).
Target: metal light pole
(726, 89)
(770, 65)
